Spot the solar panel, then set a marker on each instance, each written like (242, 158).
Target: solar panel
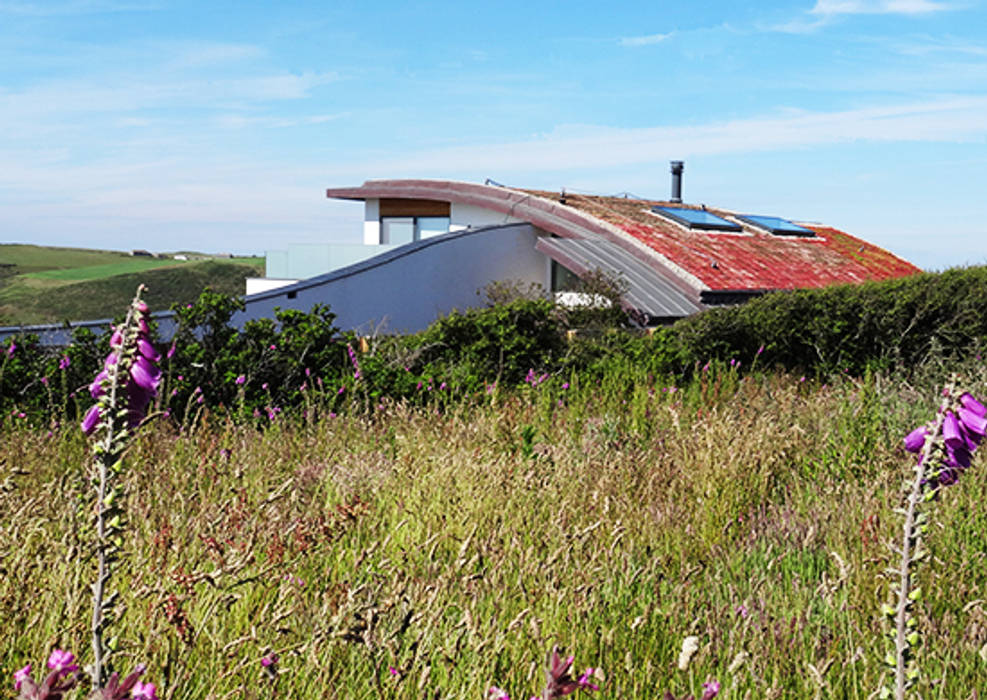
(697, 219)
(777, 225)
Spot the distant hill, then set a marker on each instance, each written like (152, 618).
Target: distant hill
(41, 284)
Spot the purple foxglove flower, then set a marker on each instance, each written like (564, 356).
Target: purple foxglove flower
(946, 476)
(116, 340)
(957, 457)
(145, 348)
(496, 693)
(241, 379)
(710, 690)
(96, 389)
(142, 326)
(973, 422)
(64, 362)
(61, 662)
(915, 440)
(91, 420)
(952, 434)
(142, 307)
(143, 691)
(171, 351)
(21, 676)
(145, 374)
(971, 404)
(11, 349)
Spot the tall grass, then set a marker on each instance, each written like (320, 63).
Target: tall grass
(406, 552)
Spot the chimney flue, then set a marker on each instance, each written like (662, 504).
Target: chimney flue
(677, 167)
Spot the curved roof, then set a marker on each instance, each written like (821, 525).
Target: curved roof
(696, 261)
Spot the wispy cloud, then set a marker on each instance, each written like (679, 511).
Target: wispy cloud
(944, 120)
(877, 7)
(646, 40)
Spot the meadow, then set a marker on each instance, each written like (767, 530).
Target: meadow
(382, 548)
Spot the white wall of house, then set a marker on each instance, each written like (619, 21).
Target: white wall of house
(256, 285)
(471, 216)
(405, 289)
(371, 222)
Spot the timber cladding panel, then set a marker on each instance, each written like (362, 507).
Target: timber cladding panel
(413, 207)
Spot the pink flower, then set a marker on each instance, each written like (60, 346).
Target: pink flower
(496, 693)
(710, 690)
(61, 662)
(11, 349)
(393, 671)
(269, 660)
(143, 691)
(21, 676)
(241, 379)
(64, 362)
(44, 380)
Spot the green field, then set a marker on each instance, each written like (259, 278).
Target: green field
(49, 285)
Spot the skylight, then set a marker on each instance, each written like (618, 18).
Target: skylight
(777, 225)
(698, 219)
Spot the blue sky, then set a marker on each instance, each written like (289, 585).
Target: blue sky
(217, 126)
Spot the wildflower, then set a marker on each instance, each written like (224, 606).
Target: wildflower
(759, 351)
(44, 380)
(61, 662)
(710, 690)
(584, 682)
(690, 645)
(393, 671)
(21, 676)
(171, 351)
(240, 380)
(269, 660)
(64, 363)
(143, 691)
(496, 693)
(915, 440)
(91, 419)
(741, 610)
(442, 386)
(565, 385)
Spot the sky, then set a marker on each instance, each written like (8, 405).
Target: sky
(217, 126)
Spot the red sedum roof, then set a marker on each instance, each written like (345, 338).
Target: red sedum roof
(752, 260)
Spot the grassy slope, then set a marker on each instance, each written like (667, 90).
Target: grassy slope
(750, 514)
(23, 301)
(42, 284)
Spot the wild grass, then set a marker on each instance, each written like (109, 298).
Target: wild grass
(422, 552)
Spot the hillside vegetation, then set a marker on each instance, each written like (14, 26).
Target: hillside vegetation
(49, 285)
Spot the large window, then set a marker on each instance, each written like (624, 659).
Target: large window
(398, 230)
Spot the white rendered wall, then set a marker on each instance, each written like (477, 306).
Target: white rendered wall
(408, 288)
(371, 222)
(471, 216)
(256, 285)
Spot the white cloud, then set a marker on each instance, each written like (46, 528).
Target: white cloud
(877, 7)
(944, 120)
(646, 40)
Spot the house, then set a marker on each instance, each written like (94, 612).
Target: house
(430, 245)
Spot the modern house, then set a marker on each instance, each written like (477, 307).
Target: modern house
(430, 245)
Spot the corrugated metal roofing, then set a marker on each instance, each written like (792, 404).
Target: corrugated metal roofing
(648, 291)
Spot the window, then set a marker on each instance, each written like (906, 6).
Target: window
(696, 219)
(398, 230)
(777, 225)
